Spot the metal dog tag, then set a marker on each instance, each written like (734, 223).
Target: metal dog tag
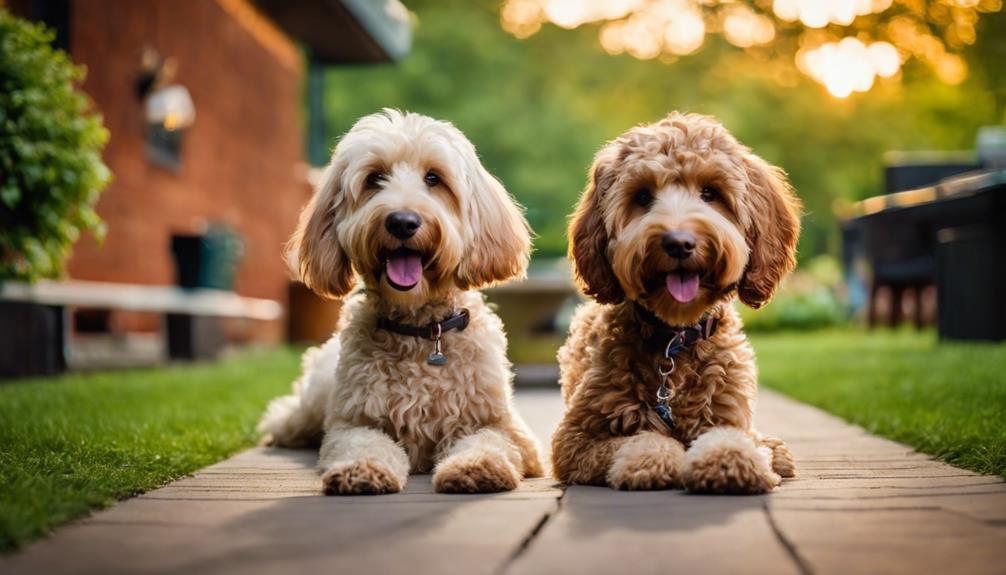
(436, 357)
(665, 414)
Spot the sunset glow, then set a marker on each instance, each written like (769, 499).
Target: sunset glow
(833, 47)
(850, 65)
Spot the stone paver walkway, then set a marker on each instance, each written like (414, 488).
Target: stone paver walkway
(860, 505)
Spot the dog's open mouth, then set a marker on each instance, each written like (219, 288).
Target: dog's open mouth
(403, 268)
(682, 284)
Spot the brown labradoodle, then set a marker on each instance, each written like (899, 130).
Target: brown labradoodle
(658, 377)
(415, 378)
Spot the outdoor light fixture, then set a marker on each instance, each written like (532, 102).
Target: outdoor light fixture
(170, 107)
(167, 108)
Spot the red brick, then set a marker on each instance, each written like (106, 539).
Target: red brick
(240, 160)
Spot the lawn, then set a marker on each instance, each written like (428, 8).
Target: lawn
(946, 399)
(81, 441)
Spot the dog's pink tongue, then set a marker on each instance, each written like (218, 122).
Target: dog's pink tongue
(683, 285)
(405, 269)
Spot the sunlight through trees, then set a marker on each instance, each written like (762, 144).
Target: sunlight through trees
(845, 45)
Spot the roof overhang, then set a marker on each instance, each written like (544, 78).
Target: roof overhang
(344, 31)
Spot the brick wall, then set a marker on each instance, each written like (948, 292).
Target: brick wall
(241, 162)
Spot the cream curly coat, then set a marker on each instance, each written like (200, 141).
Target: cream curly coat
(378, 408)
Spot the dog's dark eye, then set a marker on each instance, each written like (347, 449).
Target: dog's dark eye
(431, 179)
(374, 180)
(643, 197)
(709, 194)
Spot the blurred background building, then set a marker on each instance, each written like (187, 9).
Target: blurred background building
(205, 104)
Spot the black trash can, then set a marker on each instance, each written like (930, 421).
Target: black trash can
(208, 260)
(972, 281)
(205, 261)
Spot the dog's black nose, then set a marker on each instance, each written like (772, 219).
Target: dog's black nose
(402, 225)
(679, 245)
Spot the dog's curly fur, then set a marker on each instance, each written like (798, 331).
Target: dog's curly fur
(745, 219)
(378, 409)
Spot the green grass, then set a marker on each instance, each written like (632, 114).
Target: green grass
(70, 444)
(945, 399)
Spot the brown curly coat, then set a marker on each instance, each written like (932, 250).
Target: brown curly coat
(746, 242)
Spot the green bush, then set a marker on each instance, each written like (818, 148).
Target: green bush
(807, 300)
(51, 172)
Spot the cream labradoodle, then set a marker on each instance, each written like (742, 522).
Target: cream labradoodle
(416, 377)
(658, 377)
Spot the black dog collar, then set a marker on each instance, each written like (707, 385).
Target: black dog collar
(682, 335)
(431, 331)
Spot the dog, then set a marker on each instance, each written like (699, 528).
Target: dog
(416, 377)
(658, 378)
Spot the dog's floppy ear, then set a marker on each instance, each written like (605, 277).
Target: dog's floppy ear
(498, 239)
(773, 233)
(313, 251)
(588, 237)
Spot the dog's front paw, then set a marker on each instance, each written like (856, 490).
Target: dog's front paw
(727, 460)
(646, 461)
(782, 460)
(483, 473)
(361, 477)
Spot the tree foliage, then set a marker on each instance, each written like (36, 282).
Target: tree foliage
(51, 171)
(537, 109)
(847, 45)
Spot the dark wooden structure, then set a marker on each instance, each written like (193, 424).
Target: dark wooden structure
(951, 235)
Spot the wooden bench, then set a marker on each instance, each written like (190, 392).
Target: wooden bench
(35, 326)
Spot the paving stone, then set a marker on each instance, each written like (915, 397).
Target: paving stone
(599, 529)
(985, 507)
(210, 484)
(918, 497)
(893, 541)
(346, 535)
(901, 483)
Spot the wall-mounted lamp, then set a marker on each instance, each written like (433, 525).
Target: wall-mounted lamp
(170, 107)
(167, 108)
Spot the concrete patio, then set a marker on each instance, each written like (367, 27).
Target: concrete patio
(859, 504)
